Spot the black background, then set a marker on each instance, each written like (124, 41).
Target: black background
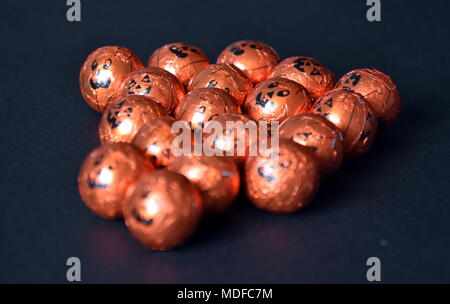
(392, 203)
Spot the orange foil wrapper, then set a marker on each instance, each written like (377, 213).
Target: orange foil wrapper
(164, 210)
(223, 76)
(106, 176)
(319, 135)
(156, 83)
(122, 120)
(217, 178)
(155, 139)
(378, 90)
(277, 99)
(202, 105)
(254, 58)
(102, 73)
(310, 73)
(180, 59)
(282, 181)
(230, 140)
(353, 116)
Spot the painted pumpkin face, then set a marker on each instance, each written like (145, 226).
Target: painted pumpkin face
(277, 99)
(203, 105)
(122, 120)
(315, 77)
(163, 210)
(254, 58)
(107, 173)
(180, 59)
(102, 73)
(352, 115)
(156, 83)
(378, 90)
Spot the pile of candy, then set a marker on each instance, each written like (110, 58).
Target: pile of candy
(162, 196)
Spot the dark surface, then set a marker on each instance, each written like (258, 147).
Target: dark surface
(392, 203)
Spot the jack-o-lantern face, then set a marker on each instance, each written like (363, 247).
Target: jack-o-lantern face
(319, 135)
(315, 77)
(223, 76)
(107, 173)
(102, 73)
(307, 65)
(154, 82)
(267, 95)
(180, 59)
(277, 99)
(203, 105)
(113, 115)
(163, 210)
(349, 81)
(277, 169)
(184, 50)
(239, 48)
(102, 176)
(123, 119)
(352, 115)
(377, 89)
(140, 85)
(254, 58)
(282, 180)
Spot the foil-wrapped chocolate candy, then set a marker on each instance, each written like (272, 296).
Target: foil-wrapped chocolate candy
(353, 116)
(277, 99)
(154, 82)
(254, 58)
(163, 210)
(180, 59)
(122, 119)
(238, 136)
(107, 175)
(155, 139)
(310, 73)
(217, 178)
(378, 90)
(102, 73)
(319, 135)
(282, 180)
(223, 76)
(201, 105)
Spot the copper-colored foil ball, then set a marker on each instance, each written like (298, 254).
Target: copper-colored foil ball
(217, 178)
(223, 76)
(319, 135)
(378, 90)
(155, 139)
(106, 175)
(254, 58)
(231, 139)
(201, 105)
(282, 184)
(311, 74)
(180, 59)
(102, 73)
(154, 82)
(277, 99)
(121, 120)
(348, 111)
(164, 209)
